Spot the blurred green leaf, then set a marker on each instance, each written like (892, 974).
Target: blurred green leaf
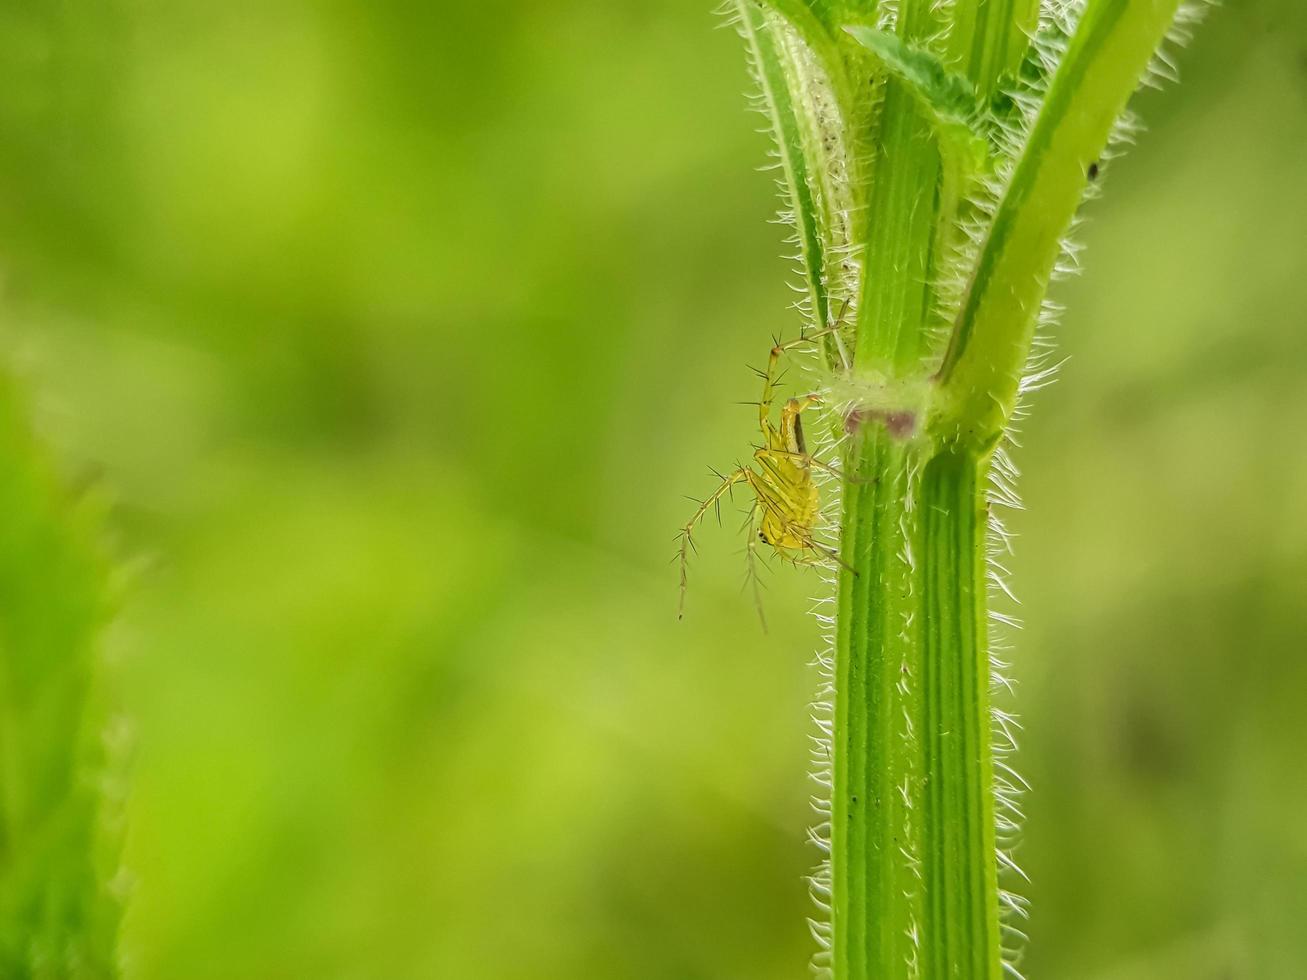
(58, 851)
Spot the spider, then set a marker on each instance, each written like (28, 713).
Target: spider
(786, 504)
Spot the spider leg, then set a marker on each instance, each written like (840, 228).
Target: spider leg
(772, 498)
(712, 501)
(807, 460)
(770, 487)
(828, 555)
(825, 559)
(834, 330)
(770, 376)
(751, 579)
(790, 436)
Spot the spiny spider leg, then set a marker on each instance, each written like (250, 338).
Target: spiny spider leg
(728, 482)
(807, 460)
(834, 328)
(828, 555)
(769, 378)
(751, 578)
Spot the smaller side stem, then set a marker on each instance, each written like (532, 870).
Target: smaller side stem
(990, 342)
(766, 57)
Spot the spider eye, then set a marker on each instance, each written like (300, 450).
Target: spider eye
(762, 537)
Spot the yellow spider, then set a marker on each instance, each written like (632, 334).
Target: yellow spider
(786, 506)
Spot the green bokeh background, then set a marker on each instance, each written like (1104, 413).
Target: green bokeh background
(396, 332)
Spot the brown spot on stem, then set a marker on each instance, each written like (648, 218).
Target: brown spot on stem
(899, 424)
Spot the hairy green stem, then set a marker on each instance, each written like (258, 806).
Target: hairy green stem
(878, 844)
(896, 301)
(915, 877)
(960, 869)
(799, 185)
(979, 379)
(875, 842)
(989, 37)
(919, 121)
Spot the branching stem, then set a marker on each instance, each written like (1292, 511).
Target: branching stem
(914, 866)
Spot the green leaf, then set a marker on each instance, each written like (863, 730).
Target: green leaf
(1029, 77)
(951, 100)
(949, 96)
(57, 854)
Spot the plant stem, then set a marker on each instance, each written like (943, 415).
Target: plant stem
(876, 187)
(799, 185)
(960, 870)
(991, 339)
(989, 38)
(914, 864)
(875, 842)
(895, 305)
(883, 856)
